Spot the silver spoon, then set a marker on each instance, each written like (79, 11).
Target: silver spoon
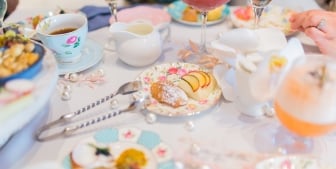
(127, 88)
(70, 130)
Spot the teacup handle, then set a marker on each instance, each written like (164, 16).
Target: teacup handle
(220, 73)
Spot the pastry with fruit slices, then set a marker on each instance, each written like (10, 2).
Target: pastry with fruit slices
(168, 93)
(197, 84)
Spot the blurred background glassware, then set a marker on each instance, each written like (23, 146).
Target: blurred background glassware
(258, 8)
(3, 10)
(332, 5)
(304, 105)
(204, 6)
(113, 8)
(150, 1)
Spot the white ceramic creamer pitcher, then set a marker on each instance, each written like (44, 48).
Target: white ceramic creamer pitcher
(137, 43)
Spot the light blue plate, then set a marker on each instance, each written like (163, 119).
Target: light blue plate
(91, 54)
(176, 9)
(134, 137)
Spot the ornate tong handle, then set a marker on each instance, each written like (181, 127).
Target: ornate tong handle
(127, 88)
(69, 130)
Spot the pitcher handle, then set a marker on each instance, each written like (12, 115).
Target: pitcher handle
(165, 31)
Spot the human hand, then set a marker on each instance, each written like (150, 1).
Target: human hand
(318, 25)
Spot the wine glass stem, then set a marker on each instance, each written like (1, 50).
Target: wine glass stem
(257, 14)
(202, 48)
(113, 9)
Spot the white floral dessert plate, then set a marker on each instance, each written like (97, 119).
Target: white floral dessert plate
(176, 8)
(91, 54)
(290, 162)
(273, 16)
(172, 72)
(158, 155)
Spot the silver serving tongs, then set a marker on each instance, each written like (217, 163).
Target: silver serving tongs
(127, 88)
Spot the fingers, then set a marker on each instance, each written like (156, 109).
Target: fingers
(304, 20)
(317, 35)
(325, 44)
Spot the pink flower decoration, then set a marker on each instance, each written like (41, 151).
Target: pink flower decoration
(203, 101)
(172, 70)
(129, 134)
(162, 78)
(161, 152)
(71, 40)
(181, 72)
(147, 79)
(287, 164)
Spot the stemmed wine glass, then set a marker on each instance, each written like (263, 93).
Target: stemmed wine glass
(204, 6)
(305, 104)
(113, 8)
(3, 9)
(258, 8)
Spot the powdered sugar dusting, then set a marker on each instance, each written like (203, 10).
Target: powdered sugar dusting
(174, 95)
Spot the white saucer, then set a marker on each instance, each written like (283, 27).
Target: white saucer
(92, 53)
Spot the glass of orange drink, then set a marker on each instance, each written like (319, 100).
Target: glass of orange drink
(305, 103)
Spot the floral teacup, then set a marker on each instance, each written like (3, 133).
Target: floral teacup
(65, 35)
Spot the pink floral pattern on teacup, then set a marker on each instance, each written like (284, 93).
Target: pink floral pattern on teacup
(72, 41)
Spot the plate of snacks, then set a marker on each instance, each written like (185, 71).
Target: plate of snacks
(183, 13)
(122, 148)
(179, 89)
(28, 77)
(19, 57)
(273, 16)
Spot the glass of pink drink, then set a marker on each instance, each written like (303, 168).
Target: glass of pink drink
(305, 102)
(204, 6)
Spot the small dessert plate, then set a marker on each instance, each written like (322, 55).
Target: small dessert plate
(176, 9)
(114, 142)
(172, 72)
(273, 16)
(290, 162)
(91, 54)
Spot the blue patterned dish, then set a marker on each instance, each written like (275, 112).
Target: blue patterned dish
(158, 154)
(31, 71)
(176, 9)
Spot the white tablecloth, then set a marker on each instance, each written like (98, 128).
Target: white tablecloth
(224, 137)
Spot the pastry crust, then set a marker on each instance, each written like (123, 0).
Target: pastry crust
(169, 94)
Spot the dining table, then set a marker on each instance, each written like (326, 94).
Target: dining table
(217, 138)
